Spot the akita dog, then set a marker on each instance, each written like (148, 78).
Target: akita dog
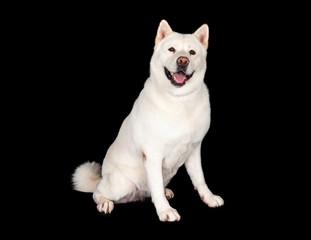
(164, 130)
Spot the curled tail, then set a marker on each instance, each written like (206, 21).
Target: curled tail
(86, 177)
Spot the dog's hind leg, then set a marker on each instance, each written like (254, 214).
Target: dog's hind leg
(113, 187)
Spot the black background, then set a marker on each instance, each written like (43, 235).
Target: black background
(93, 63)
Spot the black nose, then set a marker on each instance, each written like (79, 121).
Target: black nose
(182, 62)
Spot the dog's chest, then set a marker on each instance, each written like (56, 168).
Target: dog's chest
(181, 137)
(180, 142)
(176, 153)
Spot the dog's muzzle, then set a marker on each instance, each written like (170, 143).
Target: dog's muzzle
(180, 77)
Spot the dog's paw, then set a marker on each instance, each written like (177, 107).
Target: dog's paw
(212, 200)
(168, 193)
(105, 206)
(169, 214)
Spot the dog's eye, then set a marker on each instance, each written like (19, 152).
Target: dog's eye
(192, 52)
(172, 49)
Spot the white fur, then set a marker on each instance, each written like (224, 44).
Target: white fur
(164, 130)
(86, 177)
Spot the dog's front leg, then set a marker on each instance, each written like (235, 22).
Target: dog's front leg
(153, 166)
(194, 169)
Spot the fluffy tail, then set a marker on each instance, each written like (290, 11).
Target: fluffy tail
(86, 177)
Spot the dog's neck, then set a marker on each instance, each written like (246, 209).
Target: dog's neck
(174, 94)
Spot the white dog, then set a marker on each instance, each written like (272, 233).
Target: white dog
(164, 130)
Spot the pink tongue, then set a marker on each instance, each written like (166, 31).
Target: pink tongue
(179, 77)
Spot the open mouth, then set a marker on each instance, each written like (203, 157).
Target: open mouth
(179, 78)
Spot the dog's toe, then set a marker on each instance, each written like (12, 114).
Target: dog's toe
(105, 206)
(169, 215)
(213, 201)
(169, 193)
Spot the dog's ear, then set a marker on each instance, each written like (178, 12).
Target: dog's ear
(202, 34)
(163, 31)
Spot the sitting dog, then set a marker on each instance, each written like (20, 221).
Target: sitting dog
(164, 130)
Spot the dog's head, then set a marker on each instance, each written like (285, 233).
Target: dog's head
(179, 61)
